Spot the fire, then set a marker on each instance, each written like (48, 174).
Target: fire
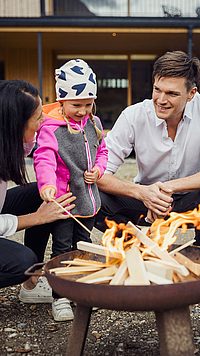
(118, 238)
(136, 258)
(163, 231)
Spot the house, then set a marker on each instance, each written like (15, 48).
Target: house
(120, 39)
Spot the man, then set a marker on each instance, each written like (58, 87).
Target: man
(165, 134)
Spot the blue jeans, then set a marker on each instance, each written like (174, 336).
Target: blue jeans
(15, 259)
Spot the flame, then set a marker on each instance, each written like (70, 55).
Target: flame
(163, 231)
(119, 237)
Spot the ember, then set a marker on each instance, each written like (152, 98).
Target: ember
(133, 258)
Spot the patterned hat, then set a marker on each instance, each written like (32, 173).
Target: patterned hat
(75, 80)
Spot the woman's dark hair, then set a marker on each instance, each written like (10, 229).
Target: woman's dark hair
(178, 64)
(18, 101)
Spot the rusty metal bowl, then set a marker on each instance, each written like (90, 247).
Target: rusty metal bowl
(126, 298)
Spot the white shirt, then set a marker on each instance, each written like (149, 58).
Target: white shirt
(158, 157)
(8, 222)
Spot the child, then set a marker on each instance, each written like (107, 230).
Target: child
(71, 156)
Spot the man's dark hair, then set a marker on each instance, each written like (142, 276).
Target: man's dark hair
(18, 101)
(178, 64)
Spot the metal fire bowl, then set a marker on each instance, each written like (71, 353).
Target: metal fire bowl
(124, 298)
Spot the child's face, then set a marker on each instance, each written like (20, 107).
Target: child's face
(77, 109)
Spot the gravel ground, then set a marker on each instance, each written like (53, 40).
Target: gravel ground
(30, 330)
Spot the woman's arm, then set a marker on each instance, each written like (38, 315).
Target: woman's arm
(47, 212)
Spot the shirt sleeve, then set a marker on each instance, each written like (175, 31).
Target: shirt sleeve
(45, 162)
(28, 146)
(8, 224)
(119, 142)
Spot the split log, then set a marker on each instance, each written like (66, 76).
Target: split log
(80, 262)
(136, 267)
(156, 268)
(189, 264)
(73, 270)
(154, 278)
(98, 249)
(121, 274)
(163, 255)
(105, 272)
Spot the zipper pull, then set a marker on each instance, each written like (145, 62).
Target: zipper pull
(84, 135)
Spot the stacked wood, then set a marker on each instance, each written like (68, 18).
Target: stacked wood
(129, 257)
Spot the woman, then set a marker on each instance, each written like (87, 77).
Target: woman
(21, 207)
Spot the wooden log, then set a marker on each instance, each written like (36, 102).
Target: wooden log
(121, 274)
(80, 262)
(154, 278)
(159, 269)
(136, 267)
(163, 255)
(101, 280)
(105, 272)
(173, 266)
(73, 270)
(181, 247)
(188, 263)
(98, 249)
(191, 277)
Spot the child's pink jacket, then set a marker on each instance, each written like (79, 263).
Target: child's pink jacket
(62, 158)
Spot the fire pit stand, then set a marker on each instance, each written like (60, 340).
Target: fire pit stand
(174, 330)
(170, 303)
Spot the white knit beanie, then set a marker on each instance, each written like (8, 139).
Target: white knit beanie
(75, 80)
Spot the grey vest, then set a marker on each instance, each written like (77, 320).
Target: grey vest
(71, 148)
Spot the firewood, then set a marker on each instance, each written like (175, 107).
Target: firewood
(188, 263)
(163, 255)
(173, 266)
(154, 278)
(100, 280)
(98, 249)
(73, 270)
(80, 262)
(159, 269)
(181, 247)
(105, 272)
(121, 274)
(191, 277)
(136, 267)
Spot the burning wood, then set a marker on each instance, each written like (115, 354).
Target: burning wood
(130, 257)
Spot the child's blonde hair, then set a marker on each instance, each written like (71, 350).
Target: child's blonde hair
(91, 116)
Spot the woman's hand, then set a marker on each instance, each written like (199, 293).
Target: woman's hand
(47, 212)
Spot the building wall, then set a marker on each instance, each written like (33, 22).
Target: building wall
(22, 64)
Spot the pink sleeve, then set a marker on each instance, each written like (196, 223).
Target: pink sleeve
(45, 162)
(102, 157)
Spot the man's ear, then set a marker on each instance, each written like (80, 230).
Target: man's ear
(192, 93)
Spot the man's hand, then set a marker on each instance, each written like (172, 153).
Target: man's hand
(156, 197)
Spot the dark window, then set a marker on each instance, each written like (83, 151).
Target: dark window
(2, 70)
(71, 8)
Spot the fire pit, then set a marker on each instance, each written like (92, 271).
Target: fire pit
(169, 302)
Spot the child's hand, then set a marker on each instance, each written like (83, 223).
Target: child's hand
(92, 176)
(48, 194)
